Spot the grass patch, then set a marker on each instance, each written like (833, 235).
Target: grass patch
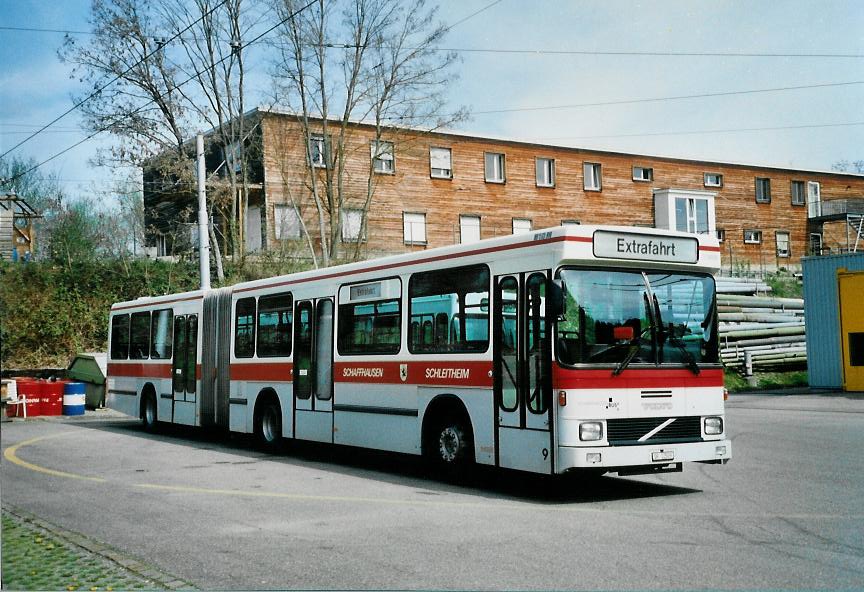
(765, 380)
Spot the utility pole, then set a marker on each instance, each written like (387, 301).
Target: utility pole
(203, 235)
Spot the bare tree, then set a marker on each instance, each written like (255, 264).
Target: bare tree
(179, 67)
(844, 166)
(343, 62)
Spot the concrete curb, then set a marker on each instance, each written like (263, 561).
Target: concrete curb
(160, 579)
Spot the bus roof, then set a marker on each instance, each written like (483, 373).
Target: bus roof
(634, 244)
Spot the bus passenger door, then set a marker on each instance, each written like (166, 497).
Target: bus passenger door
(183, 369)
(522, 372)
(313, 370)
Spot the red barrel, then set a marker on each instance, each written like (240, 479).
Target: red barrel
(52, 398)
(32, 391)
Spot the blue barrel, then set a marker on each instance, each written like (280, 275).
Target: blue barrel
(73, 398)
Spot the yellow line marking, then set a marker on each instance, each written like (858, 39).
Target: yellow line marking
(11, 454)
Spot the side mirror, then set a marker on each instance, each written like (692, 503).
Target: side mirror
(555, 299)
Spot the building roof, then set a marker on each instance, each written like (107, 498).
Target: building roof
(275, 110)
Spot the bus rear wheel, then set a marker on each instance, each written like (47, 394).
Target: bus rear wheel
(269, 426)
(148, 412)
(449, 447)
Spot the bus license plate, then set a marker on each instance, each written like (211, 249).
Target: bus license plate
(663, 456)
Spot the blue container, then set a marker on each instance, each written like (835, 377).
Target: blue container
(73, 398)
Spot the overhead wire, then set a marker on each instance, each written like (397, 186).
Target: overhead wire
(148, 103)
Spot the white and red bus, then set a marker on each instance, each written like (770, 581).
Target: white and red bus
(586, 347)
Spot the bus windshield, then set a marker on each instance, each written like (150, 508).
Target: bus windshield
(629, 316)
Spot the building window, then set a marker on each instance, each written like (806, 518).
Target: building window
(763, 190)
(721, 234)
(469, 229)
(643, 174)
(382, 157)
(494, 167)
(713, 180)
(752, 237)
(286, 221)
(814, 200)
(782, 239)
(521, 225)
(441, 163)
(691, 215)
(319, 151)
(414, 228)
(545, 172)
(815, 243)
(591, 172)
(798, 193)
(352, 225)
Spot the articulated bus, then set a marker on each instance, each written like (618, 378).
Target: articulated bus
(587, 347)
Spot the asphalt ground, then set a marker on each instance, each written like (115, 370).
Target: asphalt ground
(785, 513)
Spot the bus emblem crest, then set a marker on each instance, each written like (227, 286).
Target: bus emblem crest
(403, 372)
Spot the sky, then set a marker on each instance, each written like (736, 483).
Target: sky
(595, 74)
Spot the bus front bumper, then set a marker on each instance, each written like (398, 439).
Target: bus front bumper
(652, 457)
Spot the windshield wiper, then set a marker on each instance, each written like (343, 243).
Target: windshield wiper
(668, 335)
(635, 342)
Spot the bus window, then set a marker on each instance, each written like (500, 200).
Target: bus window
(191, 353)
(370, 327)
(275, 317)
(438, 297)
(139, 336)
(244, 328)
(120, 337)
(509, 362)
(160, 334)
(535, 291)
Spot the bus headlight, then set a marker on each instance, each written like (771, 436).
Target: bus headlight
(713, 426)
(590, 431)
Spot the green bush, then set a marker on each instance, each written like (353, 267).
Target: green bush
(48, 312)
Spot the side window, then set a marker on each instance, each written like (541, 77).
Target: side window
(275, 317)
(370, 318)
(139, 336)
(244, 328)
(160, 334)
(449, 310)
(120, 337)
(537, 342)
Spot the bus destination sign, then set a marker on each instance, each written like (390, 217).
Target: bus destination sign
(645, 247)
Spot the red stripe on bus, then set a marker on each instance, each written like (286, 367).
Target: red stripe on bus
(140, 370)
(564, 378)
(263, 371)
(707, 248)
(477, 373)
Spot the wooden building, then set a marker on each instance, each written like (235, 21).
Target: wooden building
(430, 189)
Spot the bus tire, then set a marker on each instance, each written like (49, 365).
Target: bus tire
(268, 426)
(149, 411)
(450, 446)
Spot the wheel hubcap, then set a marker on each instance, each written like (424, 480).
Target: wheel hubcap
(449, 444)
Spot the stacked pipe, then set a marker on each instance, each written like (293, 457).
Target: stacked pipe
(760, 332)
